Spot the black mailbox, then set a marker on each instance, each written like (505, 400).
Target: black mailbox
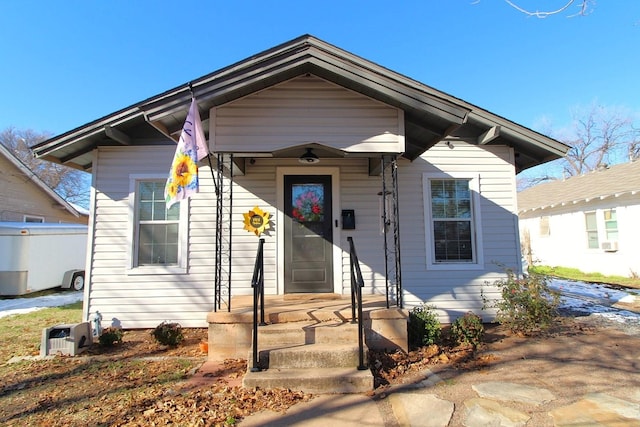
(348, 219)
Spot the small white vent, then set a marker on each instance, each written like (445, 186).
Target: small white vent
(609, 246)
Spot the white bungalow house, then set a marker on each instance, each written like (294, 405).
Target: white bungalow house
(588, 222)
(422, 181)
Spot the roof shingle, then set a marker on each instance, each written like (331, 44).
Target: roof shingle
(613, 181)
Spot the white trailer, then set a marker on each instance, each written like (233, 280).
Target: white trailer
(38, 256)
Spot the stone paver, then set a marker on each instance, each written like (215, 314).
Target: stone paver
(416, 407)
(510, 392)
(485, 412)
(421, 410)
(598, 409)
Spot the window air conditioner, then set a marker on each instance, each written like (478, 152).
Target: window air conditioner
(609, 246)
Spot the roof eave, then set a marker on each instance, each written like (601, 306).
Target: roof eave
(435, 113)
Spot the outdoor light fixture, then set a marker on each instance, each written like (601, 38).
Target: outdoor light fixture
(309, 157)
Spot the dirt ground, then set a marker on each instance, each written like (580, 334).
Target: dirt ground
(576, 357)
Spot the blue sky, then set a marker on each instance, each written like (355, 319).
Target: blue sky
(67, 63)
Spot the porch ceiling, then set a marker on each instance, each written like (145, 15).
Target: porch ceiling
(430, 115)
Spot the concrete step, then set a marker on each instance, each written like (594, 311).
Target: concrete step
(317, 380)
(299, 333)
(316, 357)
(313, 356)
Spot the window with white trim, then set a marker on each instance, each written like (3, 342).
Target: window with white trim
(611, 225)
(591, 226)
(452, 214)
(544, 226)
(158, 234)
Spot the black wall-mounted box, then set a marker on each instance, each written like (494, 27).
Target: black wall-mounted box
(348, 219)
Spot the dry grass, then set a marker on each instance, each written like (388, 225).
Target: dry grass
(135, 383)
(21, 334)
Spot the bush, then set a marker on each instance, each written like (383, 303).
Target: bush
(424, 326)
(110, 336)
(468, 329)
(528, 305)
(169, 334)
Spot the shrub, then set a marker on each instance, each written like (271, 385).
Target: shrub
(110, 336)
(468, 329)
(424, 326)
(527, 305)
(169, 334)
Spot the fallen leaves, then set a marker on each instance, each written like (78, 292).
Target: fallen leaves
(135, 383)
(389, 367)
(141, 383)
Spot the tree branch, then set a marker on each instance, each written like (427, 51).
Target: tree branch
(544, 14)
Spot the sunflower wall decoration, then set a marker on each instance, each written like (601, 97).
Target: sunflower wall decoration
(256, 221)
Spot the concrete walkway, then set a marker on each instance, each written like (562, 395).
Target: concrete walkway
(418, 406)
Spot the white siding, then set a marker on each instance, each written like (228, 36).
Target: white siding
(566, 244)
(146, 300)
(139, 300)
(360, 193)
(306, 110)
(456, 291)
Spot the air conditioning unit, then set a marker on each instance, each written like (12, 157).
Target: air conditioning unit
(68, 339)
(609, 246)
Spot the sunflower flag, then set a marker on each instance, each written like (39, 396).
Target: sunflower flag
(192, 147)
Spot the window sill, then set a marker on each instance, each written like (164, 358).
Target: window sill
(454, 266)
(155, 270)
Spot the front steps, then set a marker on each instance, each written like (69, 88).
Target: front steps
(301, 329)
(230, 332)
(315, 357)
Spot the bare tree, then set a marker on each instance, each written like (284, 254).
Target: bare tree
(598, 137)
(602, 136)
(70, 184)
(524, 182)
(634, 146)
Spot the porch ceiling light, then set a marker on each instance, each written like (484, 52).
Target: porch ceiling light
(309, 157)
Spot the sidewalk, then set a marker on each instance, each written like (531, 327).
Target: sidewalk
(418, 406)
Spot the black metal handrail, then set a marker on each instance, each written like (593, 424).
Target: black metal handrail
(257, 283)
(357, 283)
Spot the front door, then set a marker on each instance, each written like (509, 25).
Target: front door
(308, 247)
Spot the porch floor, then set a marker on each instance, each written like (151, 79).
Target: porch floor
(301, 308)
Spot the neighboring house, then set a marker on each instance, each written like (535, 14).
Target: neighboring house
(423, 181)
(26, 198)
(588, 222)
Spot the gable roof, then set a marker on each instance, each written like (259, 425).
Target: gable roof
(24, 169)
(614, 181)
(430, 115)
